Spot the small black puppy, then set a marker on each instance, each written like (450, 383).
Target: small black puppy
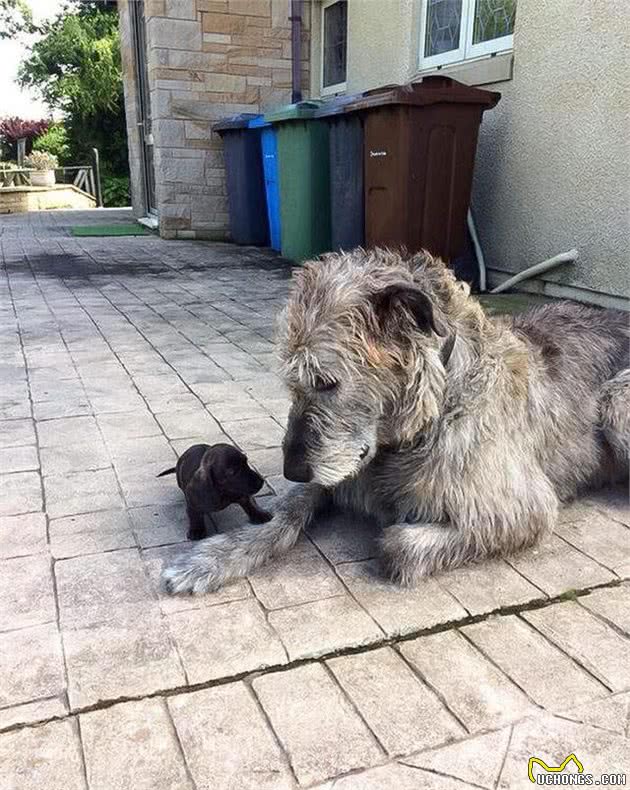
(213, 477)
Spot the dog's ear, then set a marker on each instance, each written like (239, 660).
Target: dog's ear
(390, 299)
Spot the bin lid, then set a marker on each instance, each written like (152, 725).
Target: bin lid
(336, 106)
(339, 104)
(434, 89)
(258, 122)
(294, 112)
(241, 121)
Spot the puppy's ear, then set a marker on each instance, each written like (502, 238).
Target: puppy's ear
(391, 299)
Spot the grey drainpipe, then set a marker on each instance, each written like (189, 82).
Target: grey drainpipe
(296, 50)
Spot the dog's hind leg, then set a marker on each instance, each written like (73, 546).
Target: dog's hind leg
(212, 562)
(413, 551)
(614, 411)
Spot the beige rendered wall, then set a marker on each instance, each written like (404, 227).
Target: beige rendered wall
(553, 163)
(207, 59)
(382, 47)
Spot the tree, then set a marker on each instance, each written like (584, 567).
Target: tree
(15, 17)
(76, 67)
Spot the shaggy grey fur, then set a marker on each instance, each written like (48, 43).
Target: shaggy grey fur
(460, 433)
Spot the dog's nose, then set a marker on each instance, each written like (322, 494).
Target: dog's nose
(297, 471)
(294, 449)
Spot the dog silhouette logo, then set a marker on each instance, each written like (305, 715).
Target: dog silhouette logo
(551, 769)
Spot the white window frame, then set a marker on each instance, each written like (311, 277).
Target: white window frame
(466, 49)
(339, 87)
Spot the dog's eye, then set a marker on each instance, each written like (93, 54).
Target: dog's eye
(326, 385)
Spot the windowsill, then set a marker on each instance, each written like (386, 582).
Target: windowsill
(483, 71)
(333, 90)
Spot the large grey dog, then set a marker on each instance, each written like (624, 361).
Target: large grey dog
(459, 433)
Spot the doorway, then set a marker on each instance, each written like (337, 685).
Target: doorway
(144, 103)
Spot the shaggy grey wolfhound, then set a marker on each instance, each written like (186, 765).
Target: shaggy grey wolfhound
(459, 433)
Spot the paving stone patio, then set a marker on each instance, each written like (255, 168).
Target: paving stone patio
(118, 353)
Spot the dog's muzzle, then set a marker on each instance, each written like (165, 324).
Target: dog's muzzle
(294, 448)
(296, 468)
(297, 471)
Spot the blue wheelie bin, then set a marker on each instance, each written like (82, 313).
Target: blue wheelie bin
(245, 180)
(269, 148)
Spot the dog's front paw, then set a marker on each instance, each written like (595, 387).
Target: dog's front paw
(199, 570)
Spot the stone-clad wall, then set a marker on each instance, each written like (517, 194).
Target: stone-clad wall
(206, 59)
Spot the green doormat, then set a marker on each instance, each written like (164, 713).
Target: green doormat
(109, 230)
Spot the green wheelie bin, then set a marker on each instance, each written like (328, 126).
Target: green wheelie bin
(304, 177)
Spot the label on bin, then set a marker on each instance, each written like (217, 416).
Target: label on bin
(378, 153)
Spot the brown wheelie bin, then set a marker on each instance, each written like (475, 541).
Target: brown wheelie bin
(419, 154)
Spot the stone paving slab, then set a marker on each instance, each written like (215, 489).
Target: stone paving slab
(612, 605)
(225, 640)
(316, 723)
(477, 692)
(45, 709)
(90, 533)
(398, 611)
(22, 535)
(227, 742)
(596, 748)
(538, 667)
(157, 763)
(48, 756)
(27, 592)
(31, 665)
(478, 760)
(414, 718)
(123, 353)
(120, 659)
(587, 639)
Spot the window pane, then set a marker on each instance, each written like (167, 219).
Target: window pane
(493, 19)
(335, 26)
(444, 18)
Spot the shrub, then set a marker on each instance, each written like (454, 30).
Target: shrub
(115, 191)
(40, 160)
(55, 142)
(13, 129)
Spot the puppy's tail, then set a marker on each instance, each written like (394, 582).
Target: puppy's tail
(170, 471)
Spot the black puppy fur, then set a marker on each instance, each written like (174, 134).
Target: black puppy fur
(213, 477)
